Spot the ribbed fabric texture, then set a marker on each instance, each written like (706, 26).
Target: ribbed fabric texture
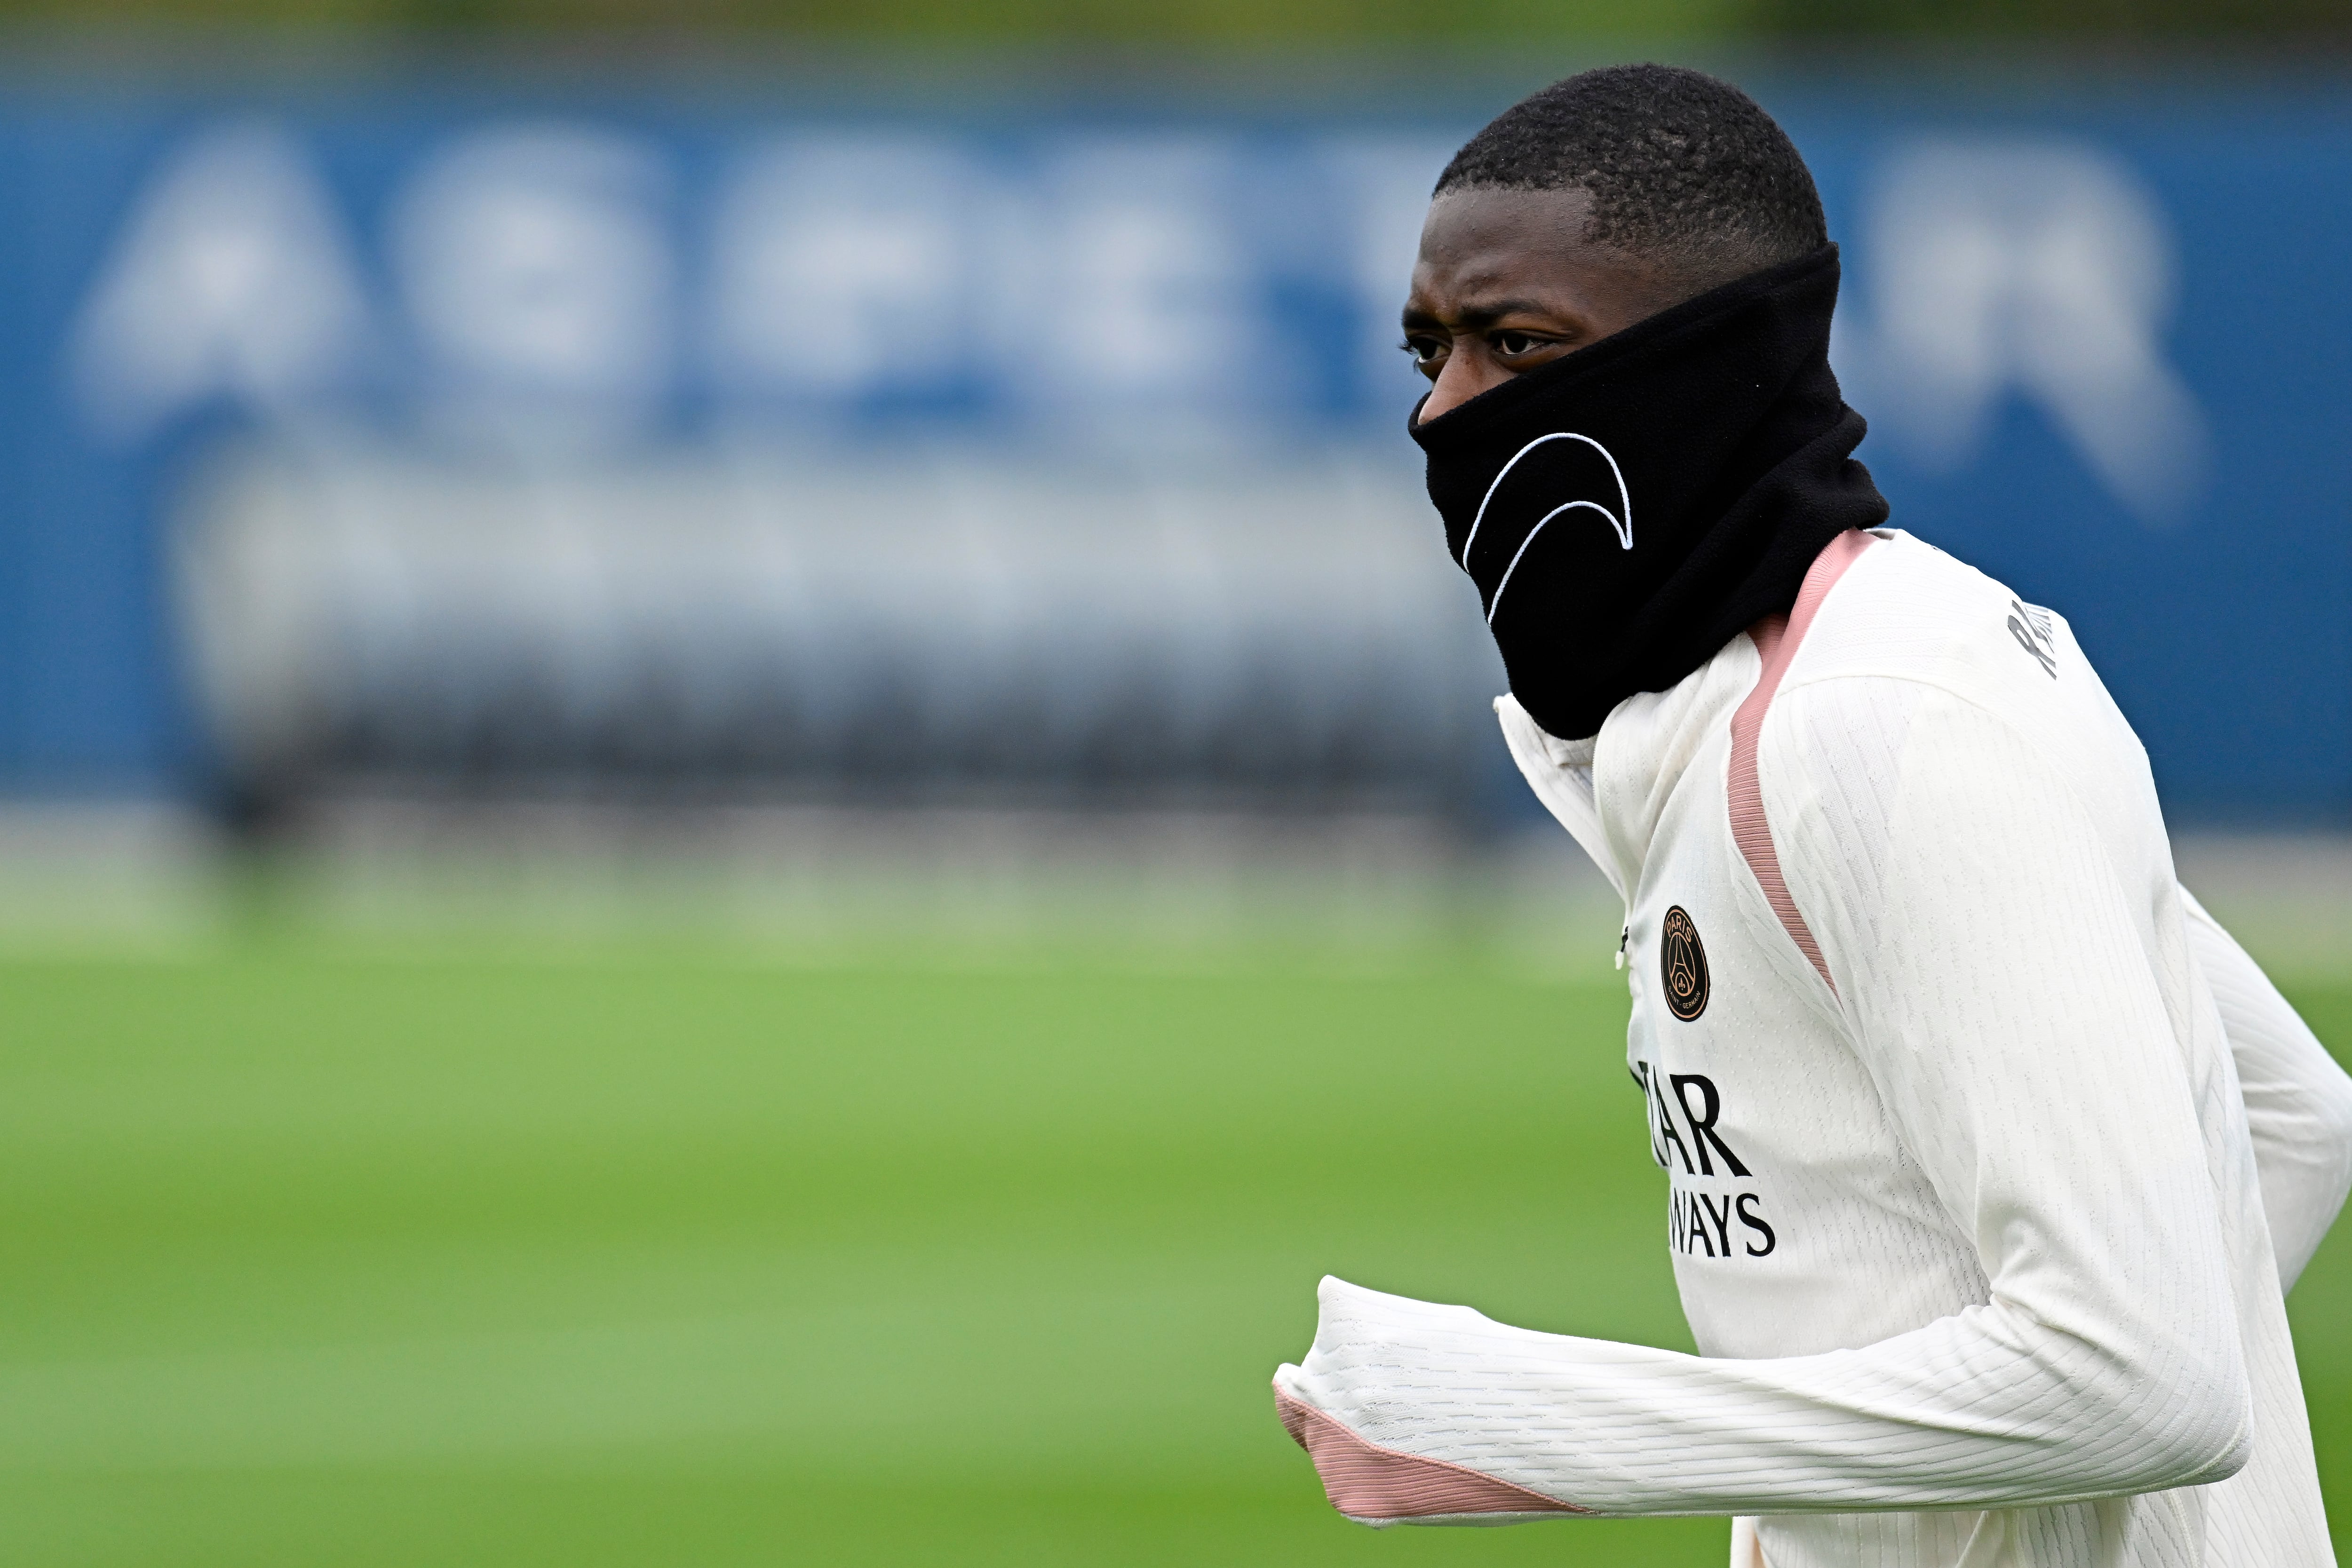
(1777, 639)
(1379, 1486)
(1982, 1231)
(2298, 1102)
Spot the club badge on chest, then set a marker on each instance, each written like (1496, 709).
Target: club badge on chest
(1682, 965)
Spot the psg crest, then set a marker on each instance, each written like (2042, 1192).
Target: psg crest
(1682, 964)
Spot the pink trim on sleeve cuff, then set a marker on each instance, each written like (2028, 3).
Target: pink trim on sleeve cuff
(1378, 1485)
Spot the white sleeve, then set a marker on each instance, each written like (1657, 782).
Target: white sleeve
(2298, 1102)
(1993, 980)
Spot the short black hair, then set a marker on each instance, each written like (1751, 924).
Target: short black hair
(1686, 171)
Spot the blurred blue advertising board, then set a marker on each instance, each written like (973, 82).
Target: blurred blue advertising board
(404, 433)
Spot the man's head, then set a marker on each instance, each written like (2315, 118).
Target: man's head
(1599, 201)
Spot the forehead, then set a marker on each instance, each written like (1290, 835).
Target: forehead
(1481, 239)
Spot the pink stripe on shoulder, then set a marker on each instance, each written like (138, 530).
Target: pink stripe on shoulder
(1777, 638)
(1364, 1480)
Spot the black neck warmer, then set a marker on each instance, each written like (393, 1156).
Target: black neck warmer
(1628, 510)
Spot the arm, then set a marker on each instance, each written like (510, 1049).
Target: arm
(2298, 1102)
(1990, 968)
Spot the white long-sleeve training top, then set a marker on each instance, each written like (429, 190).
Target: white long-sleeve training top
(1971, 1116)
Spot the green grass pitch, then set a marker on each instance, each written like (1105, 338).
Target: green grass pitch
(316, 1259)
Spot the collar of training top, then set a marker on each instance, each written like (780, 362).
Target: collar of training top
(1629, 509)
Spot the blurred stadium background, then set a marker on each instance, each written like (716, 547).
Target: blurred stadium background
(741, 806)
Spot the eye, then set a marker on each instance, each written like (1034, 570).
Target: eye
(1511, 345)
(1424, 349)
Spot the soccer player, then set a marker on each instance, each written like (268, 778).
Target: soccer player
(1991, 1155)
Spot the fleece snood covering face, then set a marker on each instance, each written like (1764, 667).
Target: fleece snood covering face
(1628, 510)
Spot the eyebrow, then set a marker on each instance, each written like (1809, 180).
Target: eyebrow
(1483, 315)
